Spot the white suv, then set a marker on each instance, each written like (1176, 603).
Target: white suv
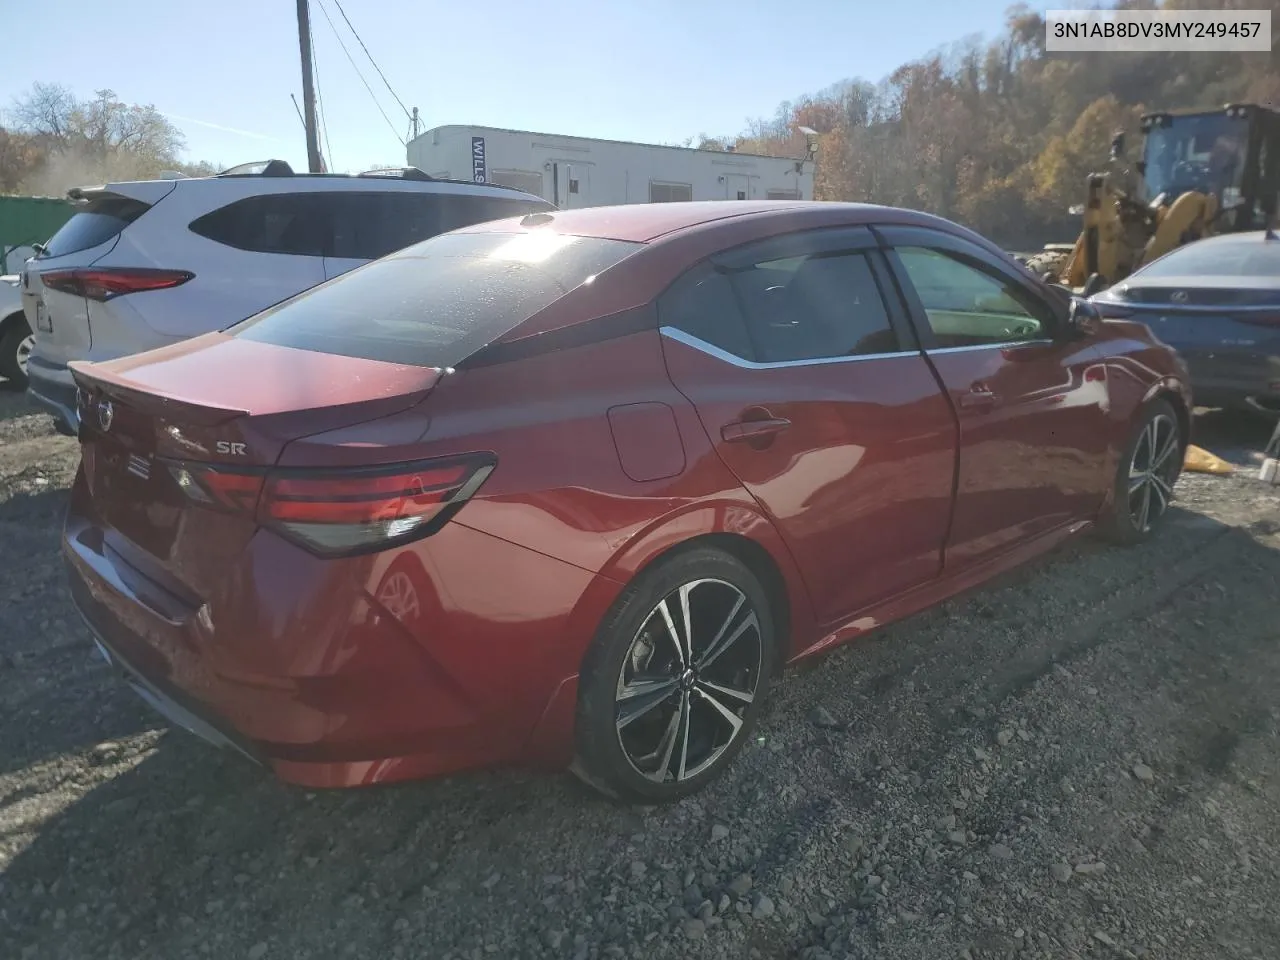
(147, 264)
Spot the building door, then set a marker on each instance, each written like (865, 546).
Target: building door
(737, 186)
(570, 184)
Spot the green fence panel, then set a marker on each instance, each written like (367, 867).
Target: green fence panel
(28, 220)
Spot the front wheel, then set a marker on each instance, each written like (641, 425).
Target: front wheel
(1149, 467)
(675, 679)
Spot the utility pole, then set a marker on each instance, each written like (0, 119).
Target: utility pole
(413, 125)
(314, 163)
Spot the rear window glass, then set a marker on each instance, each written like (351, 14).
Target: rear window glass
(436, 302)
(96, 222)
(1233, 259)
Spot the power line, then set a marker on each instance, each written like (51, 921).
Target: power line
(359, 74)
(338, 3)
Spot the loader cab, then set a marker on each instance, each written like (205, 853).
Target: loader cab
(1232, 153)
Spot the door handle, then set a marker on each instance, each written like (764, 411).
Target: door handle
(745, 430)
(980, 399)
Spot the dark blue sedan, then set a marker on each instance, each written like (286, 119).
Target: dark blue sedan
(1217, 302)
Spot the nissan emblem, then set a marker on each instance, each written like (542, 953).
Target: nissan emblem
(106, 413)
(1180, 296)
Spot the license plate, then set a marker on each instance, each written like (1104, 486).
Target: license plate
(42, 318)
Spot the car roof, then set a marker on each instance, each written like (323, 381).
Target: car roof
(647, 222)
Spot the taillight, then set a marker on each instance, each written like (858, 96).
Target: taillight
(343, 511)
(234, 490)
(106, 282)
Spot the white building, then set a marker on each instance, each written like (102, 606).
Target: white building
(581, 172)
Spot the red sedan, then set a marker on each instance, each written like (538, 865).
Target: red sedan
(571, 489)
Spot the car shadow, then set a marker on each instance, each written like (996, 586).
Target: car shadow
(168, 847)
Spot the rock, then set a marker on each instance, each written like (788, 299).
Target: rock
(1090, 868)
(1102, 937)
(1143, 772)
(957, 837)
(741, 885)
(999, 851)
(257, 951)
(947, 823)
(1060, 872)
(694, 929)
(1004, 737)
(638, 869)
(821, 717)
(761, 907)
(719, 831)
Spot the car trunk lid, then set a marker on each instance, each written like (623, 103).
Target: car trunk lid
(175, 441)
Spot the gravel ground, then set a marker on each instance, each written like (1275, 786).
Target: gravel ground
(1078, 761)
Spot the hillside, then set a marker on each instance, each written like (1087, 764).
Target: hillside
(1000, 135)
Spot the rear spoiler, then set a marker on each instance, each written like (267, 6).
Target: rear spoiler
(93, 377)
(149, 192)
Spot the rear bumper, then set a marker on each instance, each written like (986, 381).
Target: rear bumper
(307, 672)
(1235, 379)
(51, 387)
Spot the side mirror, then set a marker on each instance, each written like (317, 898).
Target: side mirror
(1082, 317)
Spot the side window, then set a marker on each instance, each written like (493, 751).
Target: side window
(702, 304)
(967, 306)
(292, 223)
(373, 224)
(463, 210)
(812, 307)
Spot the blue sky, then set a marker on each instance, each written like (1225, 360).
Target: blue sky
(654, 71)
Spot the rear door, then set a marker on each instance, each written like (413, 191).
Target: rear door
(815, 395)
(1031, 404)
(246, 255)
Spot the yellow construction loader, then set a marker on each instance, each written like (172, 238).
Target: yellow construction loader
(1200, 173)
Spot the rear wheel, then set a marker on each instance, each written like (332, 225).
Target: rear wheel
(675, 679)
(16, 342)
(1148, 470)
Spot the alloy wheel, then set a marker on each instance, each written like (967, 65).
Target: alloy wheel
(690, 674)
(1152, 471)
(25, 346)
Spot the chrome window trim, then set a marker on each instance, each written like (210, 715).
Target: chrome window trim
(989, 346)
(697, 343)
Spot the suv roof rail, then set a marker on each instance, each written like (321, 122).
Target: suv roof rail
(259, 168)
(404, 173)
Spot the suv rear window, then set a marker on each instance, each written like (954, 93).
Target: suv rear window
(96, 222)
(436, 303)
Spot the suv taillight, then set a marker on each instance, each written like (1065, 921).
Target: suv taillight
(341, 512)
(106, 282)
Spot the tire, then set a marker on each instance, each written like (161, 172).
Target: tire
(1123, 521)
(15, 345)
(649, 759)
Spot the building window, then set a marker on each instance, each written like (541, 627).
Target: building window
(783, 195)
(527, 180)
(660, 192)
(573, 184)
